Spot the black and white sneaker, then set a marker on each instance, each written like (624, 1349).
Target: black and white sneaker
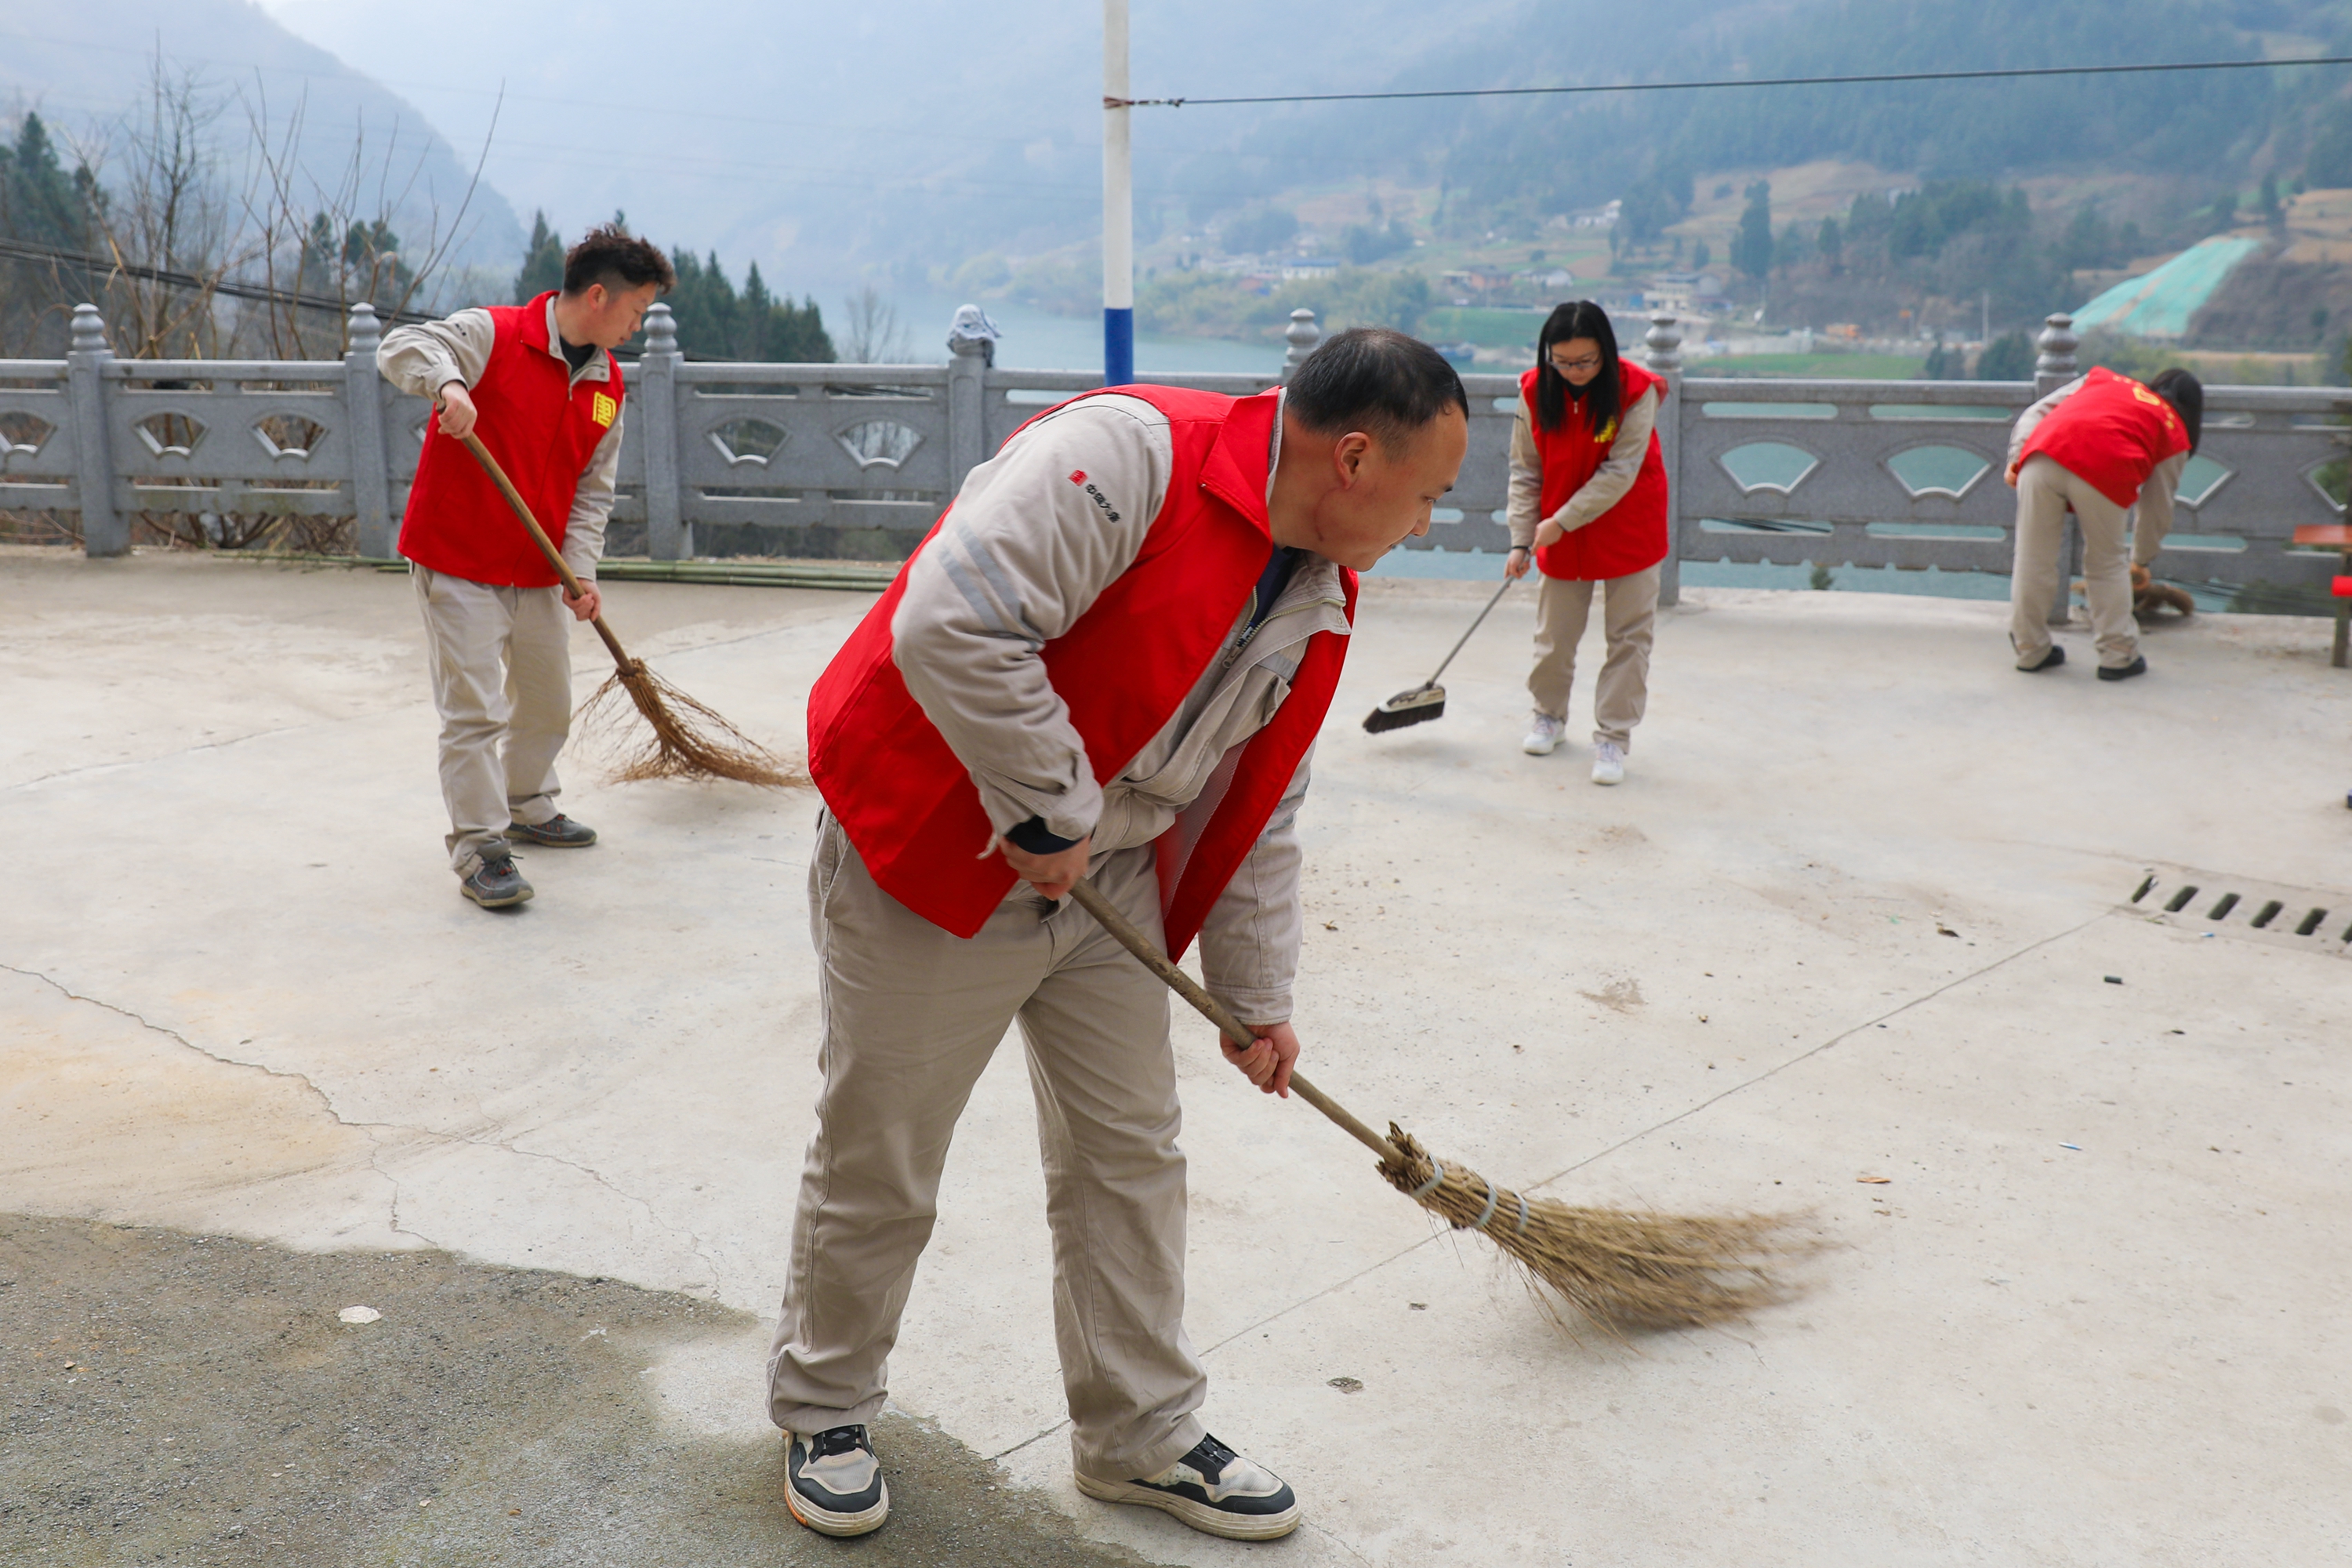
(837, 1485)
(1213, 1489)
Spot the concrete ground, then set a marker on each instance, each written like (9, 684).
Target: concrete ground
(1853, 915)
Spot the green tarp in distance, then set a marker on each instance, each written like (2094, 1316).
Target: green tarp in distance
(2159, 304)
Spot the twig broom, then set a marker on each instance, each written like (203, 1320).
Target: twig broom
(1620, 1269)
(689, 739)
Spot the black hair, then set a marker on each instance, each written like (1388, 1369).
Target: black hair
(2187, 396)
(1577, 318)
(1384, 383)
(609, 251)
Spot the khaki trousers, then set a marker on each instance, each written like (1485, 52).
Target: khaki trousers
(1629, 615)
(911, 1016)
(501, 666)
(2044, 492)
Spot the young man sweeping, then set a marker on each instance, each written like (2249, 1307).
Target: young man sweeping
(538, 383)
(1109, 661)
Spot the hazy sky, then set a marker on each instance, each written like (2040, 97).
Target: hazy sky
(814, 138)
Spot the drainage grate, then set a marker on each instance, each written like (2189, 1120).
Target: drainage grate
(2241, 906)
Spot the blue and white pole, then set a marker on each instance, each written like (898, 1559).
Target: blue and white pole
(1119, 204)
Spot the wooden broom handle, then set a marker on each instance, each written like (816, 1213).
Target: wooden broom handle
(1090, 900)
(538, 537)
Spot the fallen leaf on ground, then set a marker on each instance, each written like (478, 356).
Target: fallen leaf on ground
(1874, 1181)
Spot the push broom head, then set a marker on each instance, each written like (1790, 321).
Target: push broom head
(1418, 706)
(687, 740)
(1621, 1270)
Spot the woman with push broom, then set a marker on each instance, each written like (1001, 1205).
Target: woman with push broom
(1588, 507)
(1107, 665)
(537, 386)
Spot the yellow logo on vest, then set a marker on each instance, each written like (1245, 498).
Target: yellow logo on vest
(603, 411)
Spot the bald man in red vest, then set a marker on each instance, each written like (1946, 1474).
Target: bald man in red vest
(1110, 660)
(2101, 445)
(539, 385)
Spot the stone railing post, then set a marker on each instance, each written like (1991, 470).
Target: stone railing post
(972, 343)
(1664, 342)
(2054, 366)
(372, 533)
(104, 532)
(668, 535)
(2052, 369)
(1302, 335)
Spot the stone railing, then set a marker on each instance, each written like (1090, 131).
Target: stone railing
(855, 462)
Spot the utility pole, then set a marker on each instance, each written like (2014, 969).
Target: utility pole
(1119, 204)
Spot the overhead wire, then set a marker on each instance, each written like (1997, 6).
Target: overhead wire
(2001, 73)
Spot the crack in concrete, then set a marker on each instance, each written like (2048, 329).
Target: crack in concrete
(373, 1131)
(1025, 1442)
(1337, 1542)
(202, 746)
(1631, 1138)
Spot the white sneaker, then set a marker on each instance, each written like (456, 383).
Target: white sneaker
(1544, 735)
(1608, 762)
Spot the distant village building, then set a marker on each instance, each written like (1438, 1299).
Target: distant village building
(1684, 293)
(1309, 267)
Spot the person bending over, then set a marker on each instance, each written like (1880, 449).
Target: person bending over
(2101, 444)
(1109, 660)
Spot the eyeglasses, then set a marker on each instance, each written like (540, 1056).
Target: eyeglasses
(1589, 361)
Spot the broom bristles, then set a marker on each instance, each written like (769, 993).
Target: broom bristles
(687, 740)
(1620, 1270)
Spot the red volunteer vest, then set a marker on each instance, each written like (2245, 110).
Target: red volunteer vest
(542, 430)
(1628, 537)
(2112, 435)
(907, 802)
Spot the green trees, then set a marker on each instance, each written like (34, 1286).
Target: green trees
(2328, 164)
(42, 204)
(1751, 248)
(38, 200)
(716, 323)
(361, 263)
(1365, 243)
(542, 263)
(1254, 234)
(2009, 357)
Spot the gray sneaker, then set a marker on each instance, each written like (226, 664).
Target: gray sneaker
(557, 832)
(496, 883)
(1215, 1490)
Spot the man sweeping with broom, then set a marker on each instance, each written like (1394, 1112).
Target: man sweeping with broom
(538, 385)
(1109, 661)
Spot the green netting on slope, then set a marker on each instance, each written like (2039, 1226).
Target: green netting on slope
(2159, 304)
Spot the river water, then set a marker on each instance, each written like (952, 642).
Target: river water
(1038, 340)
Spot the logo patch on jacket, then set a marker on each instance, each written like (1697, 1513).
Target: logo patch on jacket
(1078, 476)
(603, 410)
